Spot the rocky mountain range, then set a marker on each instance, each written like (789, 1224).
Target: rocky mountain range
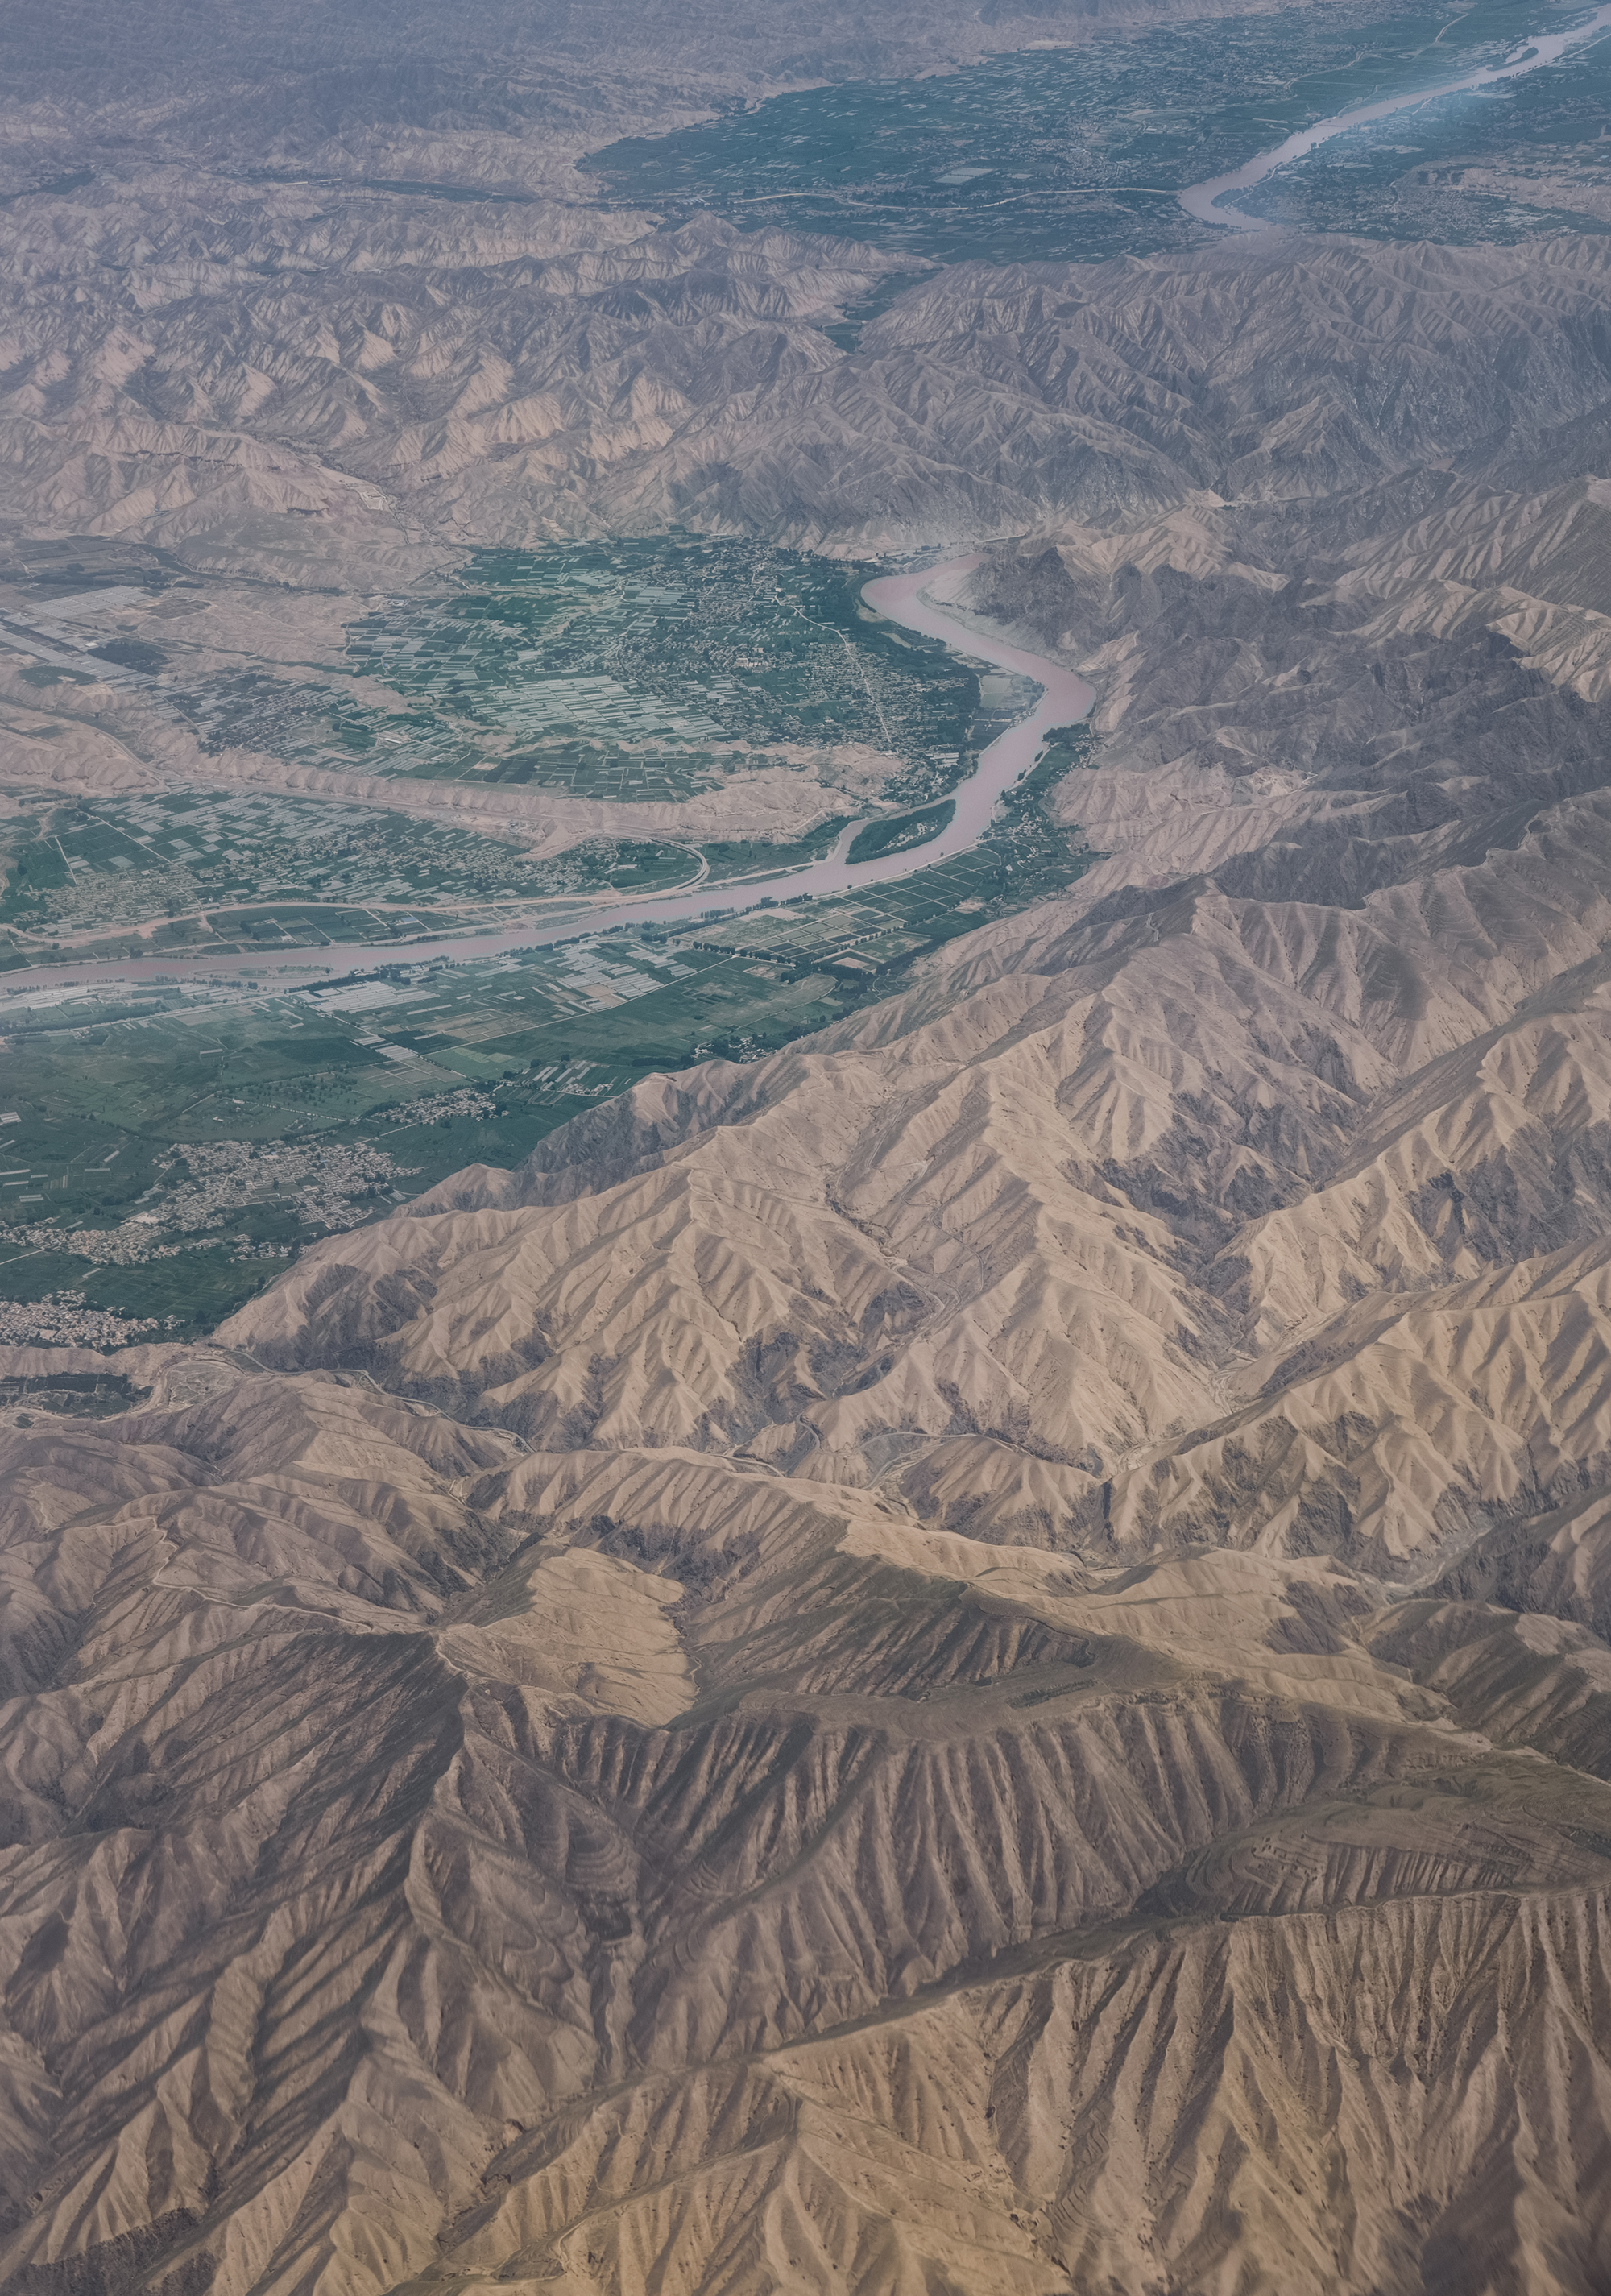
(976, 1656)
(269, 384)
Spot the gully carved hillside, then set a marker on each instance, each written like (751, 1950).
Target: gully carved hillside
(973, 1658)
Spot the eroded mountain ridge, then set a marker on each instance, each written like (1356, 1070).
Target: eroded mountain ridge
(976, 1656)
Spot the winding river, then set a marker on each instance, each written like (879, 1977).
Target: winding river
(906, 598)
(915, 599)
(1202, 200)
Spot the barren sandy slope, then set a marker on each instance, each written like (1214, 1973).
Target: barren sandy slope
(593, 1867)
(240, 375)
(973, 1660)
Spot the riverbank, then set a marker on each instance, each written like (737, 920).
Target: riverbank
(915, 598)
(1201, 200)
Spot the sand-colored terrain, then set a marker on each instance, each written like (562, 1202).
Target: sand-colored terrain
(973, 1660)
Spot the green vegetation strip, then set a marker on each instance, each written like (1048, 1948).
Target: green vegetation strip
(901, 834)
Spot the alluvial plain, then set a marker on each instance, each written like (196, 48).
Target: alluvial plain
(1075, 155)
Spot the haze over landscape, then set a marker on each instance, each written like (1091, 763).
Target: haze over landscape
(806, 1034)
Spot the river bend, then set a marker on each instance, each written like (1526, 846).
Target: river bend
(906, 598)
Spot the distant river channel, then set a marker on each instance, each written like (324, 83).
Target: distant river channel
(1202, 200)
(915, 599)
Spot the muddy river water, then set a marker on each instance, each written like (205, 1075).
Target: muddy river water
(915, 599)
(1203, 199)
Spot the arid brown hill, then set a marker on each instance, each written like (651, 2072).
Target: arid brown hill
(975, 1658)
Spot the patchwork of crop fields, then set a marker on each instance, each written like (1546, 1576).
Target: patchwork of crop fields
(1078, 154)
(170, 1147)
(642, 670)
(648, 668)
